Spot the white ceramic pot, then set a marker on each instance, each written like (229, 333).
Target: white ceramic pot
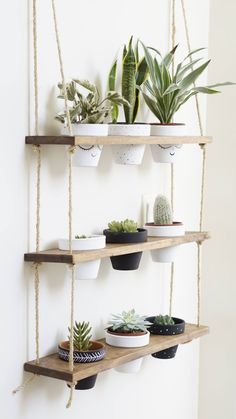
(132, 153)
(168, 254)
(87, 155)
(166, 153)
(85, 270)
(121, 341)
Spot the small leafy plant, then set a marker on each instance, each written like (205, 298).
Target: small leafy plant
(82, 237)
(89, 109)
(82, 336)
(167, 93)
(128, 322)
(162, 212)
(134, 73)
(163, 320)
(126, 226)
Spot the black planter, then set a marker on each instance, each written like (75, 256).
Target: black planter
(167, 330)
(131, 261)
(86, 383)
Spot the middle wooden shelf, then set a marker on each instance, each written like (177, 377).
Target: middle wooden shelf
(61, 256)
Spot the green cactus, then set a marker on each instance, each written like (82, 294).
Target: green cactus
(82, 336)
(163, 320)
(162, 212)
(128, 321)
(126, 226)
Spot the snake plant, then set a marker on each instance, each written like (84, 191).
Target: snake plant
(134, 73)
(166, 93)
(89, 109)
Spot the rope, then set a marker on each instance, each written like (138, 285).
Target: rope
(71, 150)
(173, 32)
(69, 403)
(171, 288)
(24, 384)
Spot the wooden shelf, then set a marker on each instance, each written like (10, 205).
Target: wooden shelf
(92, 140)
(52, 366)
(61, 256)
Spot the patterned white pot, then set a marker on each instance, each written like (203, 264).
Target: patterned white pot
(132, 153)
(96, 353)
(85, 270)
(87, 155)
(166, 153)
(127, 341)
(168, 254)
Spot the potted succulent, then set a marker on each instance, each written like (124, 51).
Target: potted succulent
(134, 73)
(85, 351)
(88, 114)
(164, 226)
(167, 93)
(128, 330)
(85, 270)
(126, 231)
(166, 325)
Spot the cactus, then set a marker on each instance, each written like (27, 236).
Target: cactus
(128, 321)
(81, 336)
(162, 212)
(126, 226)
(163, 320)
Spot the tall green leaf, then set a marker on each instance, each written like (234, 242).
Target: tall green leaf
(111, 87)
(129, 82)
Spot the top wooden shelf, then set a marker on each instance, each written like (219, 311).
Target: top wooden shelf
(93, 140)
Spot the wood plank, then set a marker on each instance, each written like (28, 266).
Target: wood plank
(92, 140)
(60, 256)
(52, 366)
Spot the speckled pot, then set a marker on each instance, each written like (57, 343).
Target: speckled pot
(168, 330)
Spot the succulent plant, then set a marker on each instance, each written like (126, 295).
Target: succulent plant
(163, 320)
(88, 109)
(162, 212)
(134, 73)
(126, 226)
(81, 237)
(128, 322)
(82, 336)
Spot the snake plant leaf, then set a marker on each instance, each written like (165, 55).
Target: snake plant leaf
(227, 83)
(182, 70)
(129, 82)
(153, 106)
(141, 75)
(193, 52)
(167, 60)
(170, 89)
(111, 87)
(205, 90)
(155, 50)
(192, 77)
(136, 51)
(150, 63)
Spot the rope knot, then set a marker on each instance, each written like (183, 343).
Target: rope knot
(36, 148)
(72, 149)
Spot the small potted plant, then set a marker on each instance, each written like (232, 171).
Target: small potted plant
(85, 351)
(85, 270)
(126, 231)
(128, 330)
(164, 226)
(166, 93)
(87, 113)
(134, 73)
(166, 325)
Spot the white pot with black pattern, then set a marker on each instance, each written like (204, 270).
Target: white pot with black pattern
(88, 155)
(166, 153)
(131, 154)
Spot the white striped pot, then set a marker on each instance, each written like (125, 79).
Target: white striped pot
(87, 155)
(168, 254)
(128, 341)
(96, 353)
(131, 154)
(85, 270)
(166, 153)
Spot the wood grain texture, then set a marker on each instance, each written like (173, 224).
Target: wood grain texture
(52, 366)
(69, 140)
(61, 256)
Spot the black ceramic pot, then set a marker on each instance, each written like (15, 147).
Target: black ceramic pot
(131, 261)
(86, 384)
(168, 330)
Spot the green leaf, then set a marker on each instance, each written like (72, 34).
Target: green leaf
(142, 72)
(193, 52)
(205, 90)
(150, 63)
(86, 84)
(192, 77)
(152, 106)
(129, 82)
(227, 83)
(112, 77)
(167, 60)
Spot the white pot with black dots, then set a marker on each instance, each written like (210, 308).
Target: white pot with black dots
(131, 154)
(90, 269)
(164, 226)
(166, 153)
(88, 155)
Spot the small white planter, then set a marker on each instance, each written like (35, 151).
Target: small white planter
(85, 270)
(121, 341)
(168, 254)
(166, 153)
(132, 153)
(87, 155)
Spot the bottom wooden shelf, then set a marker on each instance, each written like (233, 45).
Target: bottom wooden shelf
(52, 366)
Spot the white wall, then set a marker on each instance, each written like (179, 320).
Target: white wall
(91, 34)
(217, 383)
